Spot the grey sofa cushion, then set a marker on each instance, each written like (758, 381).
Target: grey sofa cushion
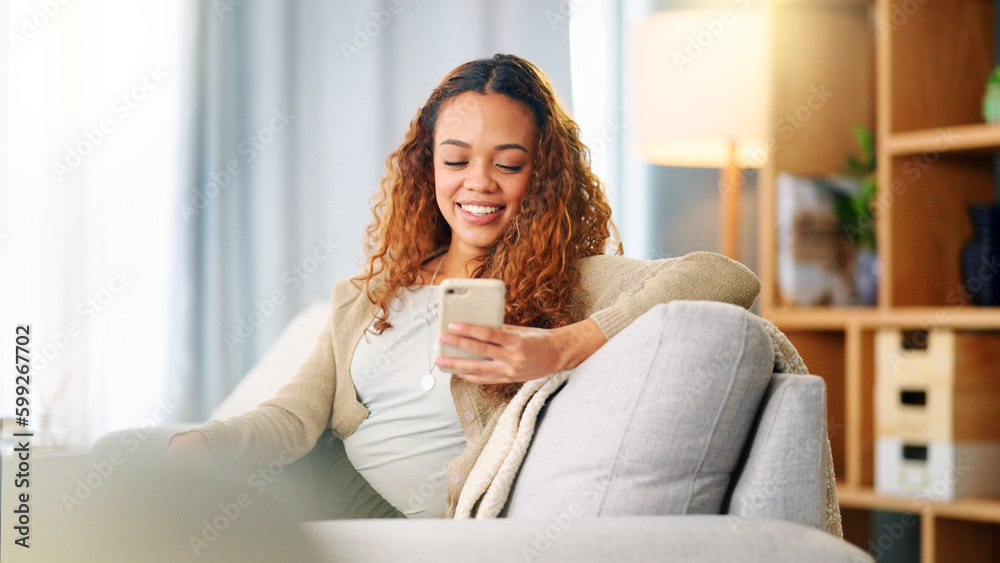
(654, 421)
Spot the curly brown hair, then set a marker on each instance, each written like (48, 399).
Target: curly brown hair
(564, 215)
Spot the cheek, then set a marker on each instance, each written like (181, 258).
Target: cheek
(443, 185)
(442, 199)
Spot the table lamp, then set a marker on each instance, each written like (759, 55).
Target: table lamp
(699, 92)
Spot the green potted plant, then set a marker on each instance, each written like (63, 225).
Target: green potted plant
(991, 97)
(854, 213)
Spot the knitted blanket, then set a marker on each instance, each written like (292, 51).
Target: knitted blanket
(488, 485)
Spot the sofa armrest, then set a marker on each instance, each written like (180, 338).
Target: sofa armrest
(783, 473)
(145, 445)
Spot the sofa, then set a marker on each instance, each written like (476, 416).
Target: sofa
(695, 450)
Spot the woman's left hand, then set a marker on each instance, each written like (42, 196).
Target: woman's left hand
(518, 353)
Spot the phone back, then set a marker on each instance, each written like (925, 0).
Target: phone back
(472, 301)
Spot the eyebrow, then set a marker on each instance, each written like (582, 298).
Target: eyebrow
(465, 145)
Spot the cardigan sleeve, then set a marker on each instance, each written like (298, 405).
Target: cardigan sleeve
(286, 427)
(621, 289)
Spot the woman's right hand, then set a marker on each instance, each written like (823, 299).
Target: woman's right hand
(190, 450)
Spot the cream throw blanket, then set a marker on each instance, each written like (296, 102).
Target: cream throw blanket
(488, 485)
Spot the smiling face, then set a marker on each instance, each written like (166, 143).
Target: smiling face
(483, 160)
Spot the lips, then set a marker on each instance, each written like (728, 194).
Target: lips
(475, 219)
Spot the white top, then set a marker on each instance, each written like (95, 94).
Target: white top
(410, 434)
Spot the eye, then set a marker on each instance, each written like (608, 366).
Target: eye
(510, 168)
(455, 163)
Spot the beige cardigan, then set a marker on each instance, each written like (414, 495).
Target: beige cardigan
(321, 394)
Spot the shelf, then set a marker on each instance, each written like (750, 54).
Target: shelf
(839, 318)
(868, 499)
(977, 138)
(979, 510)
(818, 318)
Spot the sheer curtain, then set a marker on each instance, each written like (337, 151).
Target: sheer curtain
(90, 169)
(291, 112)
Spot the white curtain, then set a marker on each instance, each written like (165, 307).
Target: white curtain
(90, 166)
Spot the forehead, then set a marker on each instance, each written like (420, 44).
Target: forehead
(473, 117)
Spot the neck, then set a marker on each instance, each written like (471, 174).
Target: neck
(460, 262)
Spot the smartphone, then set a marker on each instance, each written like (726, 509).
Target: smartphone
(475, 301)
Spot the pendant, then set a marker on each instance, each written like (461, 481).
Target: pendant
(427, 382)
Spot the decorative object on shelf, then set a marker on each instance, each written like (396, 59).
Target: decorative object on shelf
(937, 429)
(991, 97)
(981, 256)
(866, 277)
(814, 255)
(854, 212)
(49, 436)
(703, 104)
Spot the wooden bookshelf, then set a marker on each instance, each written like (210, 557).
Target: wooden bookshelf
(927, 63)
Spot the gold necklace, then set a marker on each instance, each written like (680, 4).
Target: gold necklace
(428, 381)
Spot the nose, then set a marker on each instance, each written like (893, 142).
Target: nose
(479, 178)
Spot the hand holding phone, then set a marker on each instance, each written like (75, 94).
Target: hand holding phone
(474, 301)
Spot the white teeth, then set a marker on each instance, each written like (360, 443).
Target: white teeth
(478, 210)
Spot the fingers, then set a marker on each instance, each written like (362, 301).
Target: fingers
(505, 348)
(501, 336)
(472, 345)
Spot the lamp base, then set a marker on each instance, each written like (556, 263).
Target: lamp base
(730, 190)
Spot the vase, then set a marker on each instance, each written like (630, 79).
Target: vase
(866, 277)
(981, 256)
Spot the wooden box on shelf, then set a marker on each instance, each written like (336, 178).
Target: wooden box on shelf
(937, 424)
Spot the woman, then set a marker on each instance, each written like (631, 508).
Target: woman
(491, 181)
